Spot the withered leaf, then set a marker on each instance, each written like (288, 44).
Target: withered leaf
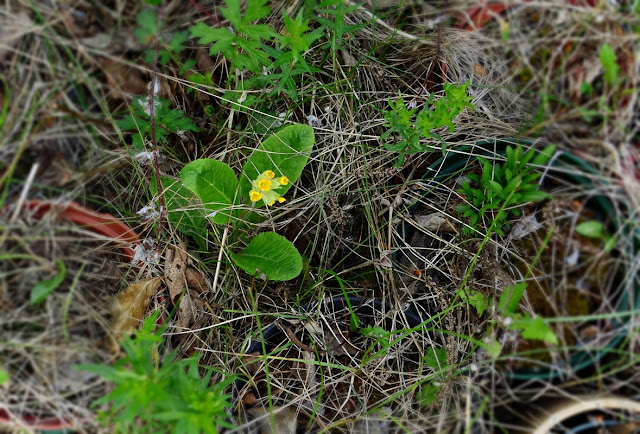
(128, 308)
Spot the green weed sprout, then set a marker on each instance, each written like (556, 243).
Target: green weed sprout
(503, 187)
(167, 120)
(531, 328)
(154, 394)
(405, 134)
(244, 45)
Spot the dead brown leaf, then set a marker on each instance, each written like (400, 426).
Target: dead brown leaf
(123, 79)
(179, 277)
(175, 268)
(128, 308)
(196, 280)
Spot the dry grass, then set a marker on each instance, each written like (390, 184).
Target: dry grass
(66, 87)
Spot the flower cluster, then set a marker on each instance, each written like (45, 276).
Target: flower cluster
(264, 188)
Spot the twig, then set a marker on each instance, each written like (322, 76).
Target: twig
(215, 277)
(153, 124)
(25, 190)
(299, 343)
(436, 58)
(204, 11)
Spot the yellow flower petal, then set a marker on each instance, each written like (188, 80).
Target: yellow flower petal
(283, 180)
(254, 196)
(269, 174)
(264, 185)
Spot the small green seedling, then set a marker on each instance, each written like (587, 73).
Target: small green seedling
(154, 393)
(167, 120)
(44, 288)
(596, 230)
(406, 133)
(532, 328)
(503, 187)
(266, 177)
(609, 64)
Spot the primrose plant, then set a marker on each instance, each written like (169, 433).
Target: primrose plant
(265, 178)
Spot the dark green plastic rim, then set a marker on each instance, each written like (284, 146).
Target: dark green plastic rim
(453, 162)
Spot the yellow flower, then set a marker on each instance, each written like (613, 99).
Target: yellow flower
(264, 188)
(264, 185)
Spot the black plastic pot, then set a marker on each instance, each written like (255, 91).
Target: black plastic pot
(363, 308)
(573, 169)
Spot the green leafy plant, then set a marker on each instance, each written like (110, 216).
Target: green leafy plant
(155, 394)
(170, 44)
(502, 187)
(337, 10)
(244, 44)
(266, 177)
(531, 328)
(435, 358)
(289, 61)
(406, 132)
(167, 120)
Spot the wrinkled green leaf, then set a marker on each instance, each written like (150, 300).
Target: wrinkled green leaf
(435, 357)
(180, 204)
(42, 289)
(271, 254)
(215, 183)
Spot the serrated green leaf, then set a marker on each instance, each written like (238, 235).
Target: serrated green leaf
(436, 357)
(608, 61)
(591, 229)
(535, 329)
(232, 12)
(428, 393)
(285, 152)
(271, 254)
(147, 27)
(44, 288)
(475, 299)
(215, 184)
(256, 10)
